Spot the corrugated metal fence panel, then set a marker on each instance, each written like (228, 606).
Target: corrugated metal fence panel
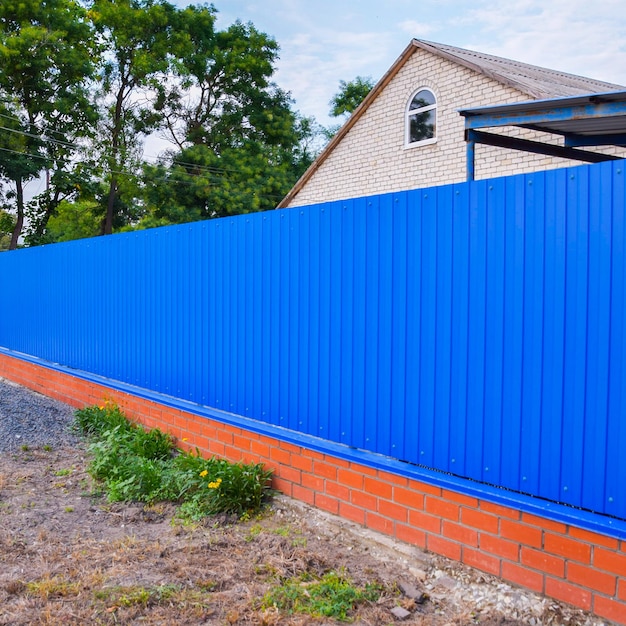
(476, 329)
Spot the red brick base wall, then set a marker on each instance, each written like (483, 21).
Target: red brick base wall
(580, 567)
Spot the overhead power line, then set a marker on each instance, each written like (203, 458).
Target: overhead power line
(214, 177)
(206, 168)
(40, 136)
(65, 144)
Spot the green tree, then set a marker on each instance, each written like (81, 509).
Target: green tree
(84, 88)
(199, 183)
(239, 145)
(21, 160)
(7, 224)
(74, 220)
(46, 54)
(69, 181)
(139, 39)
(222, 94)
(350, 95)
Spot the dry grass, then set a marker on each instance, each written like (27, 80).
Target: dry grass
(69, 557)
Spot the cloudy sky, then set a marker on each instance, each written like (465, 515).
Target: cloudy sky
(325, 41)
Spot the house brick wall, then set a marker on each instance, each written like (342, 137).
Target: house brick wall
(371, 158)
(582, 568)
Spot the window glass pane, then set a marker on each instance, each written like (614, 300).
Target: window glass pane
(421, 99)
(422, 126)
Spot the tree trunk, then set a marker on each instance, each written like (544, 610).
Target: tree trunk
(51, 207)
(107, 226)
(19, 224)
(108, 220)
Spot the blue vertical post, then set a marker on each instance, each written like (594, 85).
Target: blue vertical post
(470, 154)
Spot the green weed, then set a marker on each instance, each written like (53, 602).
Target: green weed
(92, 421)
(144, 466)
(219, 486)
(333, 595)
(253, 533)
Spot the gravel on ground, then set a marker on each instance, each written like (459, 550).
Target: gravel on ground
(32, 419)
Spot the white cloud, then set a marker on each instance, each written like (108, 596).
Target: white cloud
(415, 29)
(313, 63)
(326, 41)
(576, 36)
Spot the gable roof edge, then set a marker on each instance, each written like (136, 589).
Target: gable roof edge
(349, 123)
(500, 77)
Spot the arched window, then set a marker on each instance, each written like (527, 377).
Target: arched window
(421, 118)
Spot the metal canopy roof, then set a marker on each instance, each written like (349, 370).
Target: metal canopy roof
(597, 119)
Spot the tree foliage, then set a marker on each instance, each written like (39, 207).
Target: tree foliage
(221, 92)
(137, 36)
(238, 144)
(84, 86)
(47, 58)
(7, 224)
(75, 220)
(350, 95)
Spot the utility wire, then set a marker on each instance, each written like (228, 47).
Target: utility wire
(214, 178)
(175, 161)
(47, 132)
(28, 154)
(15, 118)
(65, 144)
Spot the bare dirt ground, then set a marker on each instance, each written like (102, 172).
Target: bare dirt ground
(67, 556)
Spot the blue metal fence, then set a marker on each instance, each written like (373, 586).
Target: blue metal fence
(476, 329)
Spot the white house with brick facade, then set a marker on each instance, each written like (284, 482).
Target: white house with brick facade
(408, 133)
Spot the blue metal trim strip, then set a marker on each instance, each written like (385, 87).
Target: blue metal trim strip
(528, 504)
(545, 115)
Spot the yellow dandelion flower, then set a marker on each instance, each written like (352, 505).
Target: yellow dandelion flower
(203, 473)
(216, 484)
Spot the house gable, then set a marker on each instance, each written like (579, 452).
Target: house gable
(368, 154)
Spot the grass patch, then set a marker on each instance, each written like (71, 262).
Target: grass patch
(333, 595)
(52, 587)
(137, 465)
(174, 598)
(138, 595)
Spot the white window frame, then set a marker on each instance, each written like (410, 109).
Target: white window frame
(408, 113)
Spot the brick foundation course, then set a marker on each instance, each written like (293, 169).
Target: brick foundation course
(579, 567)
